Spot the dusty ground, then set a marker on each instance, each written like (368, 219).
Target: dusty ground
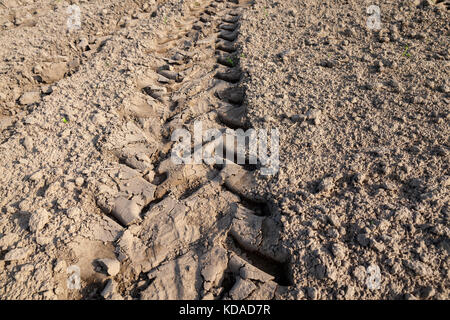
(87, 182)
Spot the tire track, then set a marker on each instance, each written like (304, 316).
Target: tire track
(197, 230)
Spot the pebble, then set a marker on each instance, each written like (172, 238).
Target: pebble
(312, 293)
(60, 266)
(359, 273)
(284, 54)
(54, 72)
(38, 220)
(22, 18)
(428, 292)
(99, 119)
(315, 115)
(37, 176)
(29, 98)
(109, 289)
(111, 266)
(8, 240)
(163, 79)
(74, 63)
(338, 251)
(328, 63)
(363, 239)
(378, 246)
(387, 185)
(17, 254)
(333, 220)
(126, 211)
(46, 89)
(150, 176)
(109, 292)
(350, 293)
(28, 143)
(79, 181)
(326, 185)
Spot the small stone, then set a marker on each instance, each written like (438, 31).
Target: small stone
(379, 246)
(99, 119)
(46, 89)
(38, 220)
(74, 63)
(284, 54)
(29, 98)
(79, 181)
(359, 273)
(150, 176)
(326, 185)
(314, 115)
(8, 240)
(28, 143)
(427, 292)
(74, 213)
(350, 293)
(17, 254)
(312, 293)
(163, 79)
(126, 211)
(242, 289)
(20, 19)
(387, 185)
(334, 220)
(37, 176)
(338, 251)
(54, 72)
(60, 266)
(109, 292)
(5, 122)
(42, 241)
(328, 63)
(363, 239)
(111, 266)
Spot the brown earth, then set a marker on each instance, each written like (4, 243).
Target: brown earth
(87, 181)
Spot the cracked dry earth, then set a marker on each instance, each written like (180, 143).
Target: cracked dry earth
(87, 182)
